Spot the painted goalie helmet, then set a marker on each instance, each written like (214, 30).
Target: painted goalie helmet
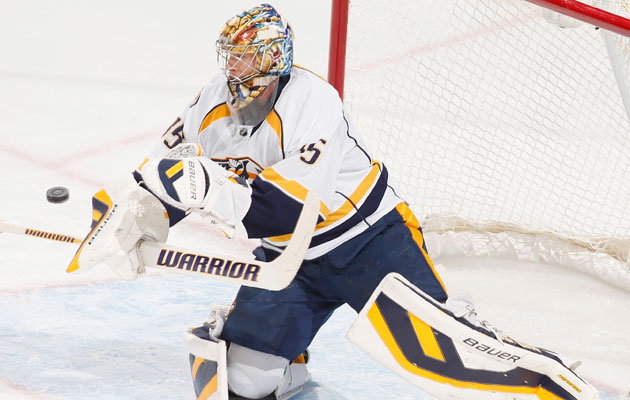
(254, 49)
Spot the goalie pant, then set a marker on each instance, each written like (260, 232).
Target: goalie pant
(283, 323)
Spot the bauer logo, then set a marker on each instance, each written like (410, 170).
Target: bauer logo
(206, 265)
(193, 180)
(102, 224)
(491, 351)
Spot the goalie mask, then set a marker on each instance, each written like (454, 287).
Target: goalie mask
(254, 49)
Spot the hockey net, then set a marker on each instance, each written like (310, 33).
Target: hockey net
(505, 125)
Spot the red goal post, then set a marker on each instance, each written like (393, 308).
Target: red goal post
(505, 123)
(593, 15)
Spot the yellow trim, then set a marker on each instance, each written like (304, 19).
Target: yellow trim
(195, 367)
(414, 227)
(347, 207)
(290, 186)
(273, 119)
(146, 160)
(281, 238)
(74, 264)
(220, 111)
(174, 169)
(210, 388)
(355, 198)
(427, 339)
(103, 197)
(306, 69)
(408, 216)
(577, 389)
(300, 359)
(293, 188)
(379, 324)
(96, 215)
(543, 394)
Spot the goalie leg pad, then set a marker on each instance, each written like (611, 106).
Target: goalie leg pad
(451, 358)
(208, 364)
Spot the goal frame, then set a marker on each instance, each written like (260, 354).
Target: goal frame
(447, 234)
(572, 8)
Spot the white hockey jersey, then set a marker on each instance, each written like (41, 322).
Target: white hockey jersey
(306, 142)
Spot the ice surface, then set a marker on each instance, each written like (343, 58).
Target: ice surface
(85, 90)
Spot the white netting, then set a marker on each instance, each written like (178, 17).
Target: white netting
(485, 111)
(618, 7)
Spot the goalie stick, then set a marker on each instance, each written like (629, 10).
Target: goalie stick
(242, 269)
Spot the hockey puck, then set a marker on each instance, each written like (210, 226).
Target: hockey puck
(57, 194)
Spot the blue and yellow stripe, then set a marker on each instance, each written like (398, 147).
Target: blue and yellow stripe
(414, 227)
(368, 193)
(423, 351)
(205, 376)
(101, 206)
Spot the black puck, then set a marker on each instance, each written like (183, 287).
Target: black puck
(57, 194)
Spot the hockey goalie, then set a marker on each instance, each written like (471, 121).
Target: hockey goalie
(245, 152)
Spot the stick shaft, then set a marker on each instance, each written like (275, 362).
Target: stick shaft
(20, 230)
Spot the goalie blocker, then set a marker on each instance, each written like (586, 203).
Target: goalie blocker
(450, 355)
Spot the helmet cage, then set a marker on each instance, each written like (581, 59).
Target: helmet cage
(241, 63)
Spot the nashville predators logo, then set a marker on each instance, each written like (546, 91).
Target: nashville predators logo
(242, 166)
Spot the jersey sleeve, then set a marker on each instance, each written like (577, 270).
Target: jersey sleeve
(174, 134)
(313, 156)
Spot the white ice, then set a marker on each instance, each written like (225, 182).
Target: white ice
(86, 88)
